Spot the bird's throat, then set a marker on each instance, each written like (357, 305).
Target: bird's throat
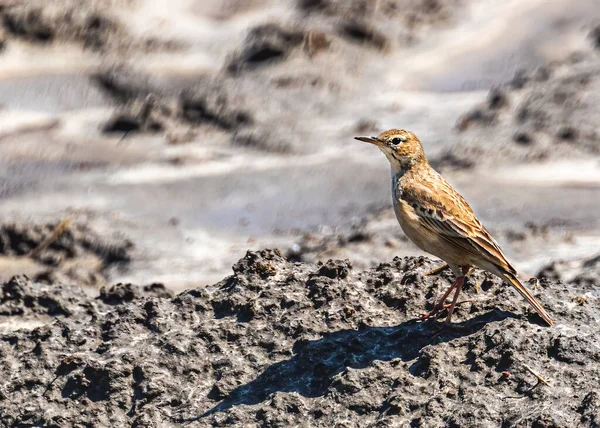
(400, 167)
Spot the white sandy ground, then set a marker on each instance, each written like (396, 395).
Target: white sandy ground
(228, 200)
(9, 324)
(14, 122)
(583, 173)
(493, 41)
(22, 59)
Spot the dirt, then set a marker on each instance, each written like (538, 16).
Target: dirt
(577, 272)
(542, 114)
(367, 241)
(376, 24)
(281, 343)
(185, 109)
(77, 255)
(91, 24)
(255, 86)
(536, 116)
(26, 302)
(291, 339)
(265, 44)
(151, 105)
(378, 236)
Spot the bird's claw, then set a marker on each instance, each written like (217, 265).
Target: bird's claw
(437, 309)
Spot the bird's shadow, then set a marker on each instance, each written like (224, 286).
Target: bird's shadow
(310, 371)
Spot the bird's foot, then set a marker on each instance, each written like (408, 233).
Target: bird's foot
(437, 309)
(431, 314)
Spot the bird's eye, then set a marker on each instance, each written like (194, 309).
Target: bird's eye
(396, 141)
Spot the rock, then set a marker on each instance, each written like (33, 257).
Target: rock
(360, 32)
(285, 343)
(82, 22)
(265, 44)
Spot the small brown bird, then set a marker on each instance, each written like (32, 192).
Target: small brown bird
(439, 221)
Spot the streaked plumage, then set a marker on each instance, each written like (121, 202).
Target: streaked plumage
(438, 219)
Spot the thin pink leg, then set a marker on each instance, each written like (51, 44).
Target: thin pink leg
(456, 293)
(440, 304)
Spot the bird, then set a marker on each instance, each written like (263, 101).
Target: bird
(438, 220)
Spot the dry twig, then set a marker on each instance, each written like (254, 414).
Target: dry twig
(54, 235)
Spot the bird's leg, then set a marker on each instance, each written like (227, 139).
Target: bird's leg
(460, 283)
(456, 293)
(437, 270)
(440, 304)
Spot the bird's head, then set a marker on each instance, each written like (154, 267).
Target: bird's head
(402, 148)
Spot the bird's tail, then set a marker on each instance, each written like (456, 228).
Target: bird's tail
(512, 279)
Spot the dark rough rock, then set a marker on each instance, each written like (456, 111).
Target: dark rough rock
(412, 13)
(153, 106)
(20, 298)
(582, 273)
(25, 299)
(84, 22)
(377, 26)
(283, 344)
(120, 293)
(453, 160)
(18, 239)
(359, 32)
(477, 116)
(124, 84)
(262, 139)
(265, 44)
(522, 138)
(550, 271)
(78, 253)
(141, 115)
(272, 76)
(364, 242)
(541, 114)
(205, 107)
(590, 272)
(595, 36)
(497, 99)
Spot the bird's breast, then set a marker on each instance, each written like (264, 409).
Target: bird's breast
(410, 222)
(406, 215)
(416, 231)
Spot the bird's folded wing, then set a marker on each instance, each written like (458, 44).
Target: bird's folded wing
(448, 215)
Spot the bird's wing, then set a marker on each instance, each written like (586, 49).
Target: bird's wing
(443, 210)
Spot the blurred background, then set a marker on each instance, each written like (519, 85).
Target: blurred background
(157, 141)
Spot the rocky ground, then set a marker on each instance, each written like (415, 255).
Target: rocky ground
(145, 146)
(65, 252)
(281, 344)
(94, 25)
(547, 113)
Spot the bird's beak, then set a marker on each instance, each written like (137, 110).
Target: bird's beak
(372, 140)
